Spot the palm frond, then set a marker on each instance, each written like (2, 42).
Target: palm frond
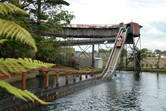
(22, 94)
(3, 40)
(6, 9)
(9, 66)
(11, 29)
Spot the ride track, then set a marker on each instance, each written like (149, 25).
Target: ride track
(115, 54)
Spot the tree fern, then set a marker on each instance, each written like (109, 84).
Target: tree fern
(3, 40)
(11, 29)
(23, 94)
(9, 66)
(9, 9)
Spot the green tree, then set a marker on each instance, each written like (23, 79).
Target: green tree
(12, 30)
(145, 53)
(41, 8)
(9, 66)
(54, 20)
(105, 50)
(164, 52)
(157, 51)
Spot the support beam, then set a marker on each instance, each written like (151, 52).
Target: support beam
(74, 77)
(46, 79)
(86, 75)
(93, 59)
(24, 81)
(57, 78)
(84, 32)
(134, 57)
(91, 73)
(67, 78)
(126, 57)
(80, 76)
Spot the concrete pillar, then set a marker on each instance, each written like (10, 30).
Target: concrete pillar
(46, 79)
(57, 78)
(93, 60)
(126, 57)
(24, 81)
(134, 57)
(67, 78)
(98, 50)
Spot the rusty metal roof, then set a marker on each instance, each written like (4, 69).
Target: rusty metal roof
(93, 25)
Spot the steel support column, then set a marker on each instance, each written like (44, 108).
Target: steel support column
(93, 59)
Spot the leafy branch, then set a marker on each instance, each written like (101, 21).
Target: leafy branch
(9, 66)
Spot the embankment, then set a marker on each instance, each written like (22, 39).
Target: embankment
(15, 104)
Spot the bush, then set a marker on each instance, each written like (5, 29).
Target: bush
(60, 59)
(151, 65)
(147, 64)
(143, 65)
(149, 56)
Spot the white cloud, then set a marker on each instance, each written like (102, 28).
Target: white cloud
(144, 12)
(154, 44)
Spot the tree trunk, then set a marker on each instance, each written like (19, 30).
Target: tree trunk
(38, 11)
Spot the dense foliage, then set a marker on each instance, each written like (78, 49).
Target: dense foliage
(10, 66)
(45, 16)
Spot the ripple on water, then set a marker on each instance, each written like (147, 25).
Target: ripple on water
(129, 91)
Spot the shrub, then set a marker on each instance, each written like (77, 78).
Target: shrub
(143, 65)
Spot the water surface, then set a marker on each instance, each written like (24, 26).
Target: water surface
(129, 91)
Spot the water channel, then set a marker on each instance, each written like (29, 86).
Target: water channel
(128, 91)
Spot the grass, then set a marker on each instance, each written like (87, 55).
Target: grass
(67, 68)
(19, 78)
(145, 69)
(153, 70)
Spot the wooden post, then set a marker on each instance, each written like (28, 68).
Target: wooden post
(80, 76)
(57, 78)
(46, 79)
(23, 81)
(74, 76)
(91, 73)
(86, 75)
(67, 79)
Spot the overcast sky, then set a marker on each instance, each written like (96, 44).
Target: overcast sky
(148, 13)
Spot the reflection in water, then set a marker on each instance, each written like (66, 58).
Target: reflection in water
(137, 76)
(129, 91)
(158, 81)
(37, 84)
